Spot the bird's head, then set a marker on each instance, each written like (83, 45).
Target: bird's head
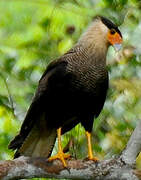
(114, 35)
(100, 34)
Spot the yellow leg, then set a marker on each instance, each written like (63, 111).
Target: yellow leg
(60, 155)
(90, 152)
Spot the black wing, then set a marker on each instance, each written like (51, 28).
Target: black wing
(54, 71)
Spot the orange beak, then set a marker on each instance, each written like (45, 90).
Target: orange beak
(115, 40)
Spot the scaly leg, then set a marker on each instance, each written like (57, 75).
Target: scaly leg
(90, 152)
(60, 155)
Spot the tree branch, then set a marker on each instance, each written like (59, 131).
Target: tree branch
(120, 168)
(25, 167)
(133, 147)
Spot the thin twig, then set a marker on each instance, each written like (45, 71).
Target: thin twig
(9, 94)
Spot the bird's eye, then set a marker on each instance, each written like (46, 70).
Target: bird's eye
(112, 31)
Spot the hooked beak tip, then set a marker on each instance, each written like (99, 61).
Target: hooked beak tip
(117, 47)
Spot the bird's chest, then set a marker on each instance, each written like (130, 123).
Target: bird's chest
(88, 86)
(89, 77)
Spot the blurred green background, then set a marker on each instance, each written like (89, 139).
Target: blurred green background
(33, 33)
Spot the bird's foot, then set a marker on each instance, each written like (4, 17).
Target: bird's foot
(62, 156)
(92, 158)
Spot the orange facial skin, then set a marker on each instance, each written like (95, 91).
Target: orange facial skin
(114, 37)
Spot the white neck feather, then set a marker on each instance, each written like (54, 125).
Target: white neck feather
(95, 38)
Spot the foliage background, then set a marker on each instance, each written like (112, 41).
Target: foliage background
(33, 33)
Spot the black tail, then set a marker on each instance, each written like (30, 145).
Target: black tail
(37, 140)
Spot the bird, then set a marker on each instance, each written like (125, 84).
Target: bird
(72, 90)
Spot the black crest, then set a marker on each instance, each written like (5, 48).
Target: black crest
(110, 24)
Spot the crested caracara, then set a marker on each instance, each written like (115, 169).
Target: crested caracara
(72, 90)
